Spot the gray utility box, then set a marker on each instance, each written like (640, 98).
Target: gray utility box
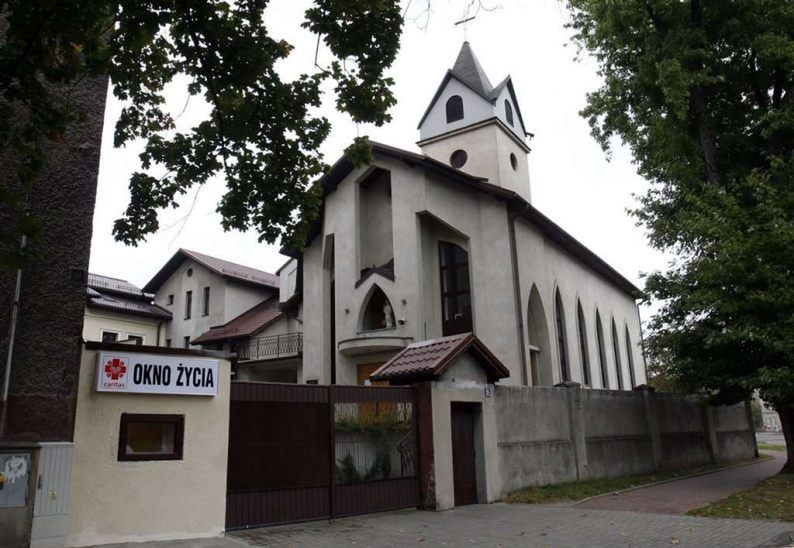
(14, 479)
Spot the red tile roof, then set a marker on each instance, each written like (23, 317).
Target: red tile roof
(427, 360)
(246, 324)
(227, 269)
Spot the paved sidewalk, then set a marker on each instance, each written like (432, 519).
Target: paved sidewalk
(678, 497)
(507, 526)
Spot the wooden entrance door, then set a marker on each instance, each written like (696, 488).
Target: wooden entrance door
(463, 467)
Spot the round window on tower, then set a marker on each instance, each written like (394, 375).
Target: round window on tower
(513, 161)
(458, 159)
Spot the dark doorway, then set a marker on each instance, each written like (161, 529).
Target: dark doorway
(464, 470)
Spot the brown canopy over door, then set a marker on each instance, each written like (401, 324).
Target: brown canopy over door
(455, 291)
(463, 468)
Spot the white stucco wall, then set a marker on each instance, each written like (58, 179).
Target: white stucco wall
(227, 300)
(488, 149)
(475, 109)
(96, 321)
(127, 501)
(426, 209)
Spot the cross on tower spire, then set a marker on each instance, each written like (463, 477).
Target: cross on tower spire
(465, 22)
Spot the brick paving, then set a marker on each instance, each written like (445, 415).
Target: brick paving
(507, 526)
(678, 497)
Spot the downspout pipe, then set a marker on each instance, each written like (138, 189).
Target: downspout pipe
(11, 337)
(517, 293)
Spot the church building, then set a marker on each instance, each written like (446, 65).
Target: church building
(418, 246)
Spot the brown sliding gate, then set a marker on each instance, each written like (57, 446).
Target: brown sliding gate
(303, 452)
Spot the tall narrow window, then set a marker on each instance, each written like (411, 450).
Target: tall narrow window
(508, 112)
(456, 311)
(205, 311)
(602, 352)
(168, 343)
(582, 328)
(616, 348)
(630, 358)
(188, 304)
(454, 109)
(559, 318)
(187, 341)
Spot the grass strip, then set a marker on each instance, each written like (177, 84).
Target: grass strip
(771, 447)
(773, 499)
(578, 490)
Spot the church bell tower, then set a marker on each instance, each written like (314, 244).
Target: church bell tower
(476, 127)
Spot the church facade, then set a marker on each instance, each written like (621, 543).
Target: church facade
(419, 246)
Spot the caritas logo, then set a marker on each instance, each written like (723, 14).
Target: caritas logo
(115, 373)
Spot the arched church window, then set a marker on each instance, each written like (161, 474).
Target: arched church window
(513, 161)
(616, 348)
(508, 112)
(378, 312)
(630, 360)
(559, 317)
(458, 158)
(454, 109)
(582, 329)
(602, 352)
(456, 310)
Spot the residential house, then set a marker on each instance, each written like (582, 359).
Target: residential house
(118, 311)
(202, 292)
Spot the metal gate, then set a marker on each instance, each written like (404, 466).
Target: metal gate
(304, 452)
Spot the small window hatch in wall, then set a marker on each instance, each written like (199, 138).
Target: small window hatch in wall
(151, 437)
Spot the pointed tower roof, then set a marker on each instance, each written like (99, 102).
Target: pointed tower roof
(468, 69)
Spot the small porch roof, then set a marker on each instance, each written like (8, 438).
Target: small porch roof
(427, 360)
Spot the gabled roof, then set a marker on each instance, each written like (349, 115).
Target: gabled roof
(226, 269)
(427, 360)
(468, 71)
(117, 295)
(249, 323)
(343, 167)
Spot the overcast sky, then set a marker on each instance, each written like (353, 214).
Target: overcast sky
(572, 182)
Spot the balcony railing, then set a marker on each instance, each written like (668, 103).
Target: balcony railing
(270, 348)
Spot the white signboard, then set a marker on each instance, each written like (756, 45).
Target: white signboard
(130, 372)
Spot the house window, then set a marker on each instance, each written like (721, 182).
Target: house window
(582, 329)
(171, 299)
(602, 352)
(454, 109)
(508, 112)
(109, 336)
(137, 339)
(151, 437)
(168, 343)
(205, 311)
(630, 359)
(456, 311)
(616, 348)
(458, 158)
(188, 304)
(187, 341)
(559, 318)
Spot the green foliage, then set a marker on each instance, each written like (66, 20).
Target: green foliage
(262, 133)
(381, 468)
(701, 91)
(346, 471)
(758, 415)
(373, 421)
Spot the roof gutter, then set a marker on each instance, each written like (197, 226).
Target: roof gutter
(11, 336)
(511, 219)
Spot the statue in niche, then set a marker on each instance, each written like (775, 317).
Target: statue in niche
(388, 318)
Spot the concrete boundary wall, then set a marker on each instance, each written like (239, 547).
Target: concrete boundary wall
(553, 435)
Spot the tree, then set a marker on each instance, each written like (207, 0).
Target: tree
(262, 133)
(700, 90)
